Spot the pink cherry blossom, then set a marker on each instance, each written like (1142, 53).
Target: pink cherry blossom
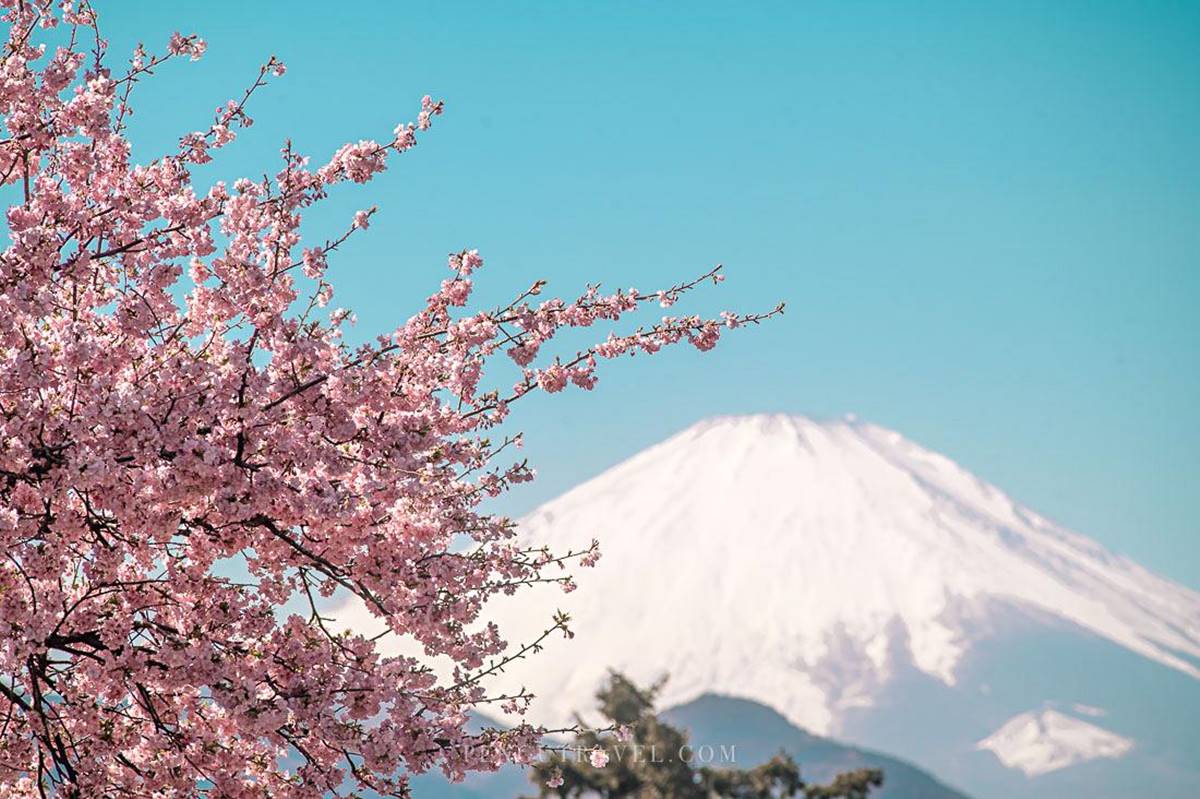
(194, 462)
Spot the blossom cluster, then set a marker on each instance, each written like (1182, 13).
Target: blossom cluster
(174, 398)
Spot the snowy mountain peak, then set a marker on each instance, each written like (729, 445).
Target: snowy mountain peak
(800, 563)
(1038, 743)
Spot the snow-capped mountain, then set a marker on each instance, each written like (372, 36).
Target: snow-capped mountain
(819, 567)
(867, 588)
(1041, 742)
(785, 560)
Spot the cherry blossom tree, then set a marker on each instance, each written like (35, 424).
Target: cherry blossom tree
(190, 450)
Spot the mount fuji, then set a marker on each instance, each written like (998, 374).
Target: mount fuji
(866, 587)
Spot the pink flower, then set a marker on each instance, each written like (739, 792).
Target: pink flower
(191, 45)
(456, 292)
(598, 758)
(553, 378)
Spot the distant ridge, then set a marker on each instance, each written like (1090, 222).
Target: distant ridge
(749, 733)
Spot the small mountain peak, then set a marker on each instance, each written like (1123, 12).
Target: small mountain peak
(1038, 743)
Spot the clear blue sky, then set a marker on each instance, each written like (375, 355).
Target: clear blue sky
(985, 217)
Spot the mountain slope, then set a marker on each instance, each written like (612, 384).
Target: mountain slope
(800, 564)
(758, 732)
(741, 734)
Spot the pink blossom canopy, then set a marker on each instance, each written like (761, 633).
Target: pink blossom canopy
(189, 451)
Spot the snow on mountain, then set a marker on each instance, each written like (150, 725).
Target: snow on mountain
(1037, 743)
(799, 563)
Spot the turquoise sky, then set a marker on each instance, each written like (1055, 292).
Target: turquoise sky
(985, 218)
